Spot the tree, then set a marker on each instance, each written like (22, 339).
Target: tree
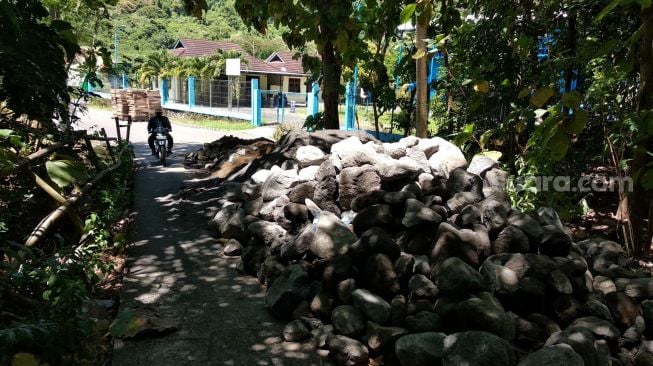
(423, 9)
(331, 24)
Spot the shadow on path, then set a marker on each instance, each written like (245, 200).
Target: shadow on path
(175, 267)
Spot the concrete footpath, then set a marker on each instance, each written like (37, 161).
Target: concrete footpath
(175, 268)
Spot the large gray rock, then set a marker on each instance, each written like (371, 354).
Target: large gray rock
(380, 337)
(375, 215)
(374, 307)
(355, 181)
(231, 223)
(421, 287)
(332, 236)
(418, 214)
(447, 158)
(391, 170)
(287, 291)
(560, 354)
(457, 277)
(326, 187)
(295, 331)
(481, 164)
(278, 183)
(296, 247)
(478, 349)
(602, 329)
(498, 278)
(307, 174)
(309, 155)
(582, 342)
(348, 321)
(347, 351)
(420, 349)
(302, 191)
(494, 183)
(267, 233)
(380, 275)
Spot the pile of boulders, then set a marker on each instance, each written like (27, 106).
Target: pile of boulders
(407, 254)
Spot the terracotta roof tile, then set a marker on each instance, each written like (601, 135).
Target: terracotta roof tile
(188, 47)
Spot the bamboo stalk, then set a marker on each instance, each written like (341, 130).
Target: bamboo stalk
(74, 217)
(40, 154)
(42, 228)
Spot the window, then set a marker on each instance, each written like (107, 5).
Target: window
(294, 85)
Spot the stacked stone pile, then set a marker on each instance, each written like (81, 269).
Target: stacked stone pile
(407, 254)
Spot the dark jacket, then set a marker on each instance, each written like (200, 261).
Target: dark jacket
(157, 121)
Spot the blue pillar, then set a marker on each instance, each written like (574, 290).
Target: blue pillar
(314, 100)
(350, 106)
(283, 106)
(125, 84)
(191, 92)
(164, 91)
(256, 104)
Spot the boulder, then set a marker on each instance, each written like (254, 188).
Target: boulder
(348, 321)
(332, 237)
(481, 164)
(295, 331)
(278, 183)
(375, 215)
(302, 191)
(581, 340)
(380, 337)
(309, 155)
(420, 287)
(307, 174)
(447, 158)
(380, 275)
(418, 214)
(424, 321)
(268, 233)
(355, 181)
(560, 354)
(478, 349)
(347, 351)
(287, 291)
(233, 248)
(299, 244)
(376, 240)
(374, 307)
(420, 349)
(326, 187)
(457, 277)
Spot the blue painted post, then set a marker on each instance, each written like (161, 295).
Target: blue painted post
(350, 106)
(164, 91)
(191, 92)
(283, 107)
(124, 81)
(314, 100)
(256, 104)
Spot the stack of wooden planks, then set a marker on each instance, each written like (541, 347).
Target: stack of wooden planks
(153, 101)
(119, 104)
(139, 104)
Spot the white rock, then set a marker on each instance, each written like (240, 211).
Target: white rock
(447, 158)
(395, 149)
(261, 176)
(308, 173)
(309, 155)
(481, 164)
(410, 141)
(429, 146)
(346, 146)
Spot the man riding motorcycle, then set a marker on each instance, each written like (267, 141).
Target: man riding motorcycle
(159, 120)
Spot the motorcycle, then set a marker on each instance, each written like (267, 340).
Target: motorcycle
(161, 144)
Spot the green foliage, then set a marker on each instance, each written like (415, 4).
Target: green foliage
(67, 171)
(315, 122)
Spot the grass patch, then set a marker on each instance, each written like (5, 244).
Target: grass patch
(213, 123)
(99, 103)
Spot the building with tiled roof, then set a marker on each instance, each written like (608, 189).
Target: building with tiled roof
(279, 72)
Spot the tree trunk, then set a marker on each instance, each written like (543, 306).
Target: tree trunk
(640, 204)
(421, 120)
(331, 72)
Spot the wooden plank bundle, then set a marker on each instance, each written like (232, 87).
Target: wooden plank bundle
(119, 104)
(140, 104)
(153, 101)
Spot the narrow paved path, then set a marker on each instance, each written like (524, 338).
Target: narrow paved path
(175, 268)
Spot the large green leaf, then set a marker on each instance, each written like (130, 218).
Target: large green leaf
(571, 99)
(559, 144)
(407, 13)
(5, 133)
(577, 124)
(541, 96)
(65, 172)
